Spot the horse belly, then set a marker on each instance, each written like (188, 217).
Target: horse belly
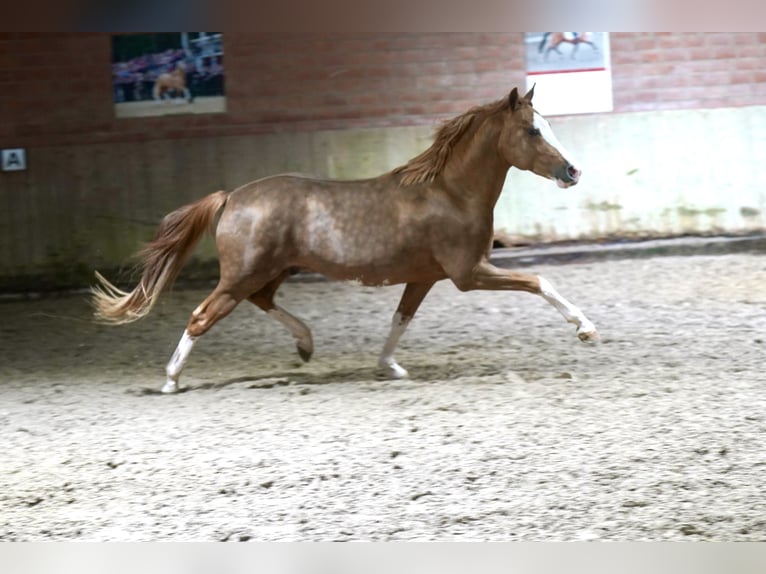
(383, 271)
(345, 235)
(361, 246)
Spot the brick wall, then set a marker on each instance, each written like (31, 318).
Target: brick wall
(364, 79)
(55, 88)
(669, 71)
(53, 84)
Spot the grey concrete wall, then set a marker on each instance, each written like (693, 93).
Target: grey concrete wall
(648, 174)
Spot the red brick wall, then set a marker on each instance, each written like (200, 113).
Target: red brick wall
(55, 89)
(667, 71)
(364, 79)
(53, 84)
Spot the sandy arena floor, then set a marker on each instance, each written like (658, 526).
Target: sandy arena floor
(508, 429)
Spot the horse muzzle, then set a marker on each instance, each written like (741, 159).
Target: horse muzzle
(567, 176)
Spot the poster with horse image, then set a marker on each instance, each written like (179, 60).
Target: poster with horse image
(572, 71)
(170, 73)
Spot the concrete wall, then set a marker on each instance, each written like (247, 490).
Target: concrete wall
(679, 154)
(647, 174)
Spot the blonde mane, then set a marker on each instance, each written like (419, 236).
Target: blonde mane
(429, 164)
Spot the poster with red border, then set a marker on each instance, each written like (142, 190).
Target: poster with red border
(571, 71)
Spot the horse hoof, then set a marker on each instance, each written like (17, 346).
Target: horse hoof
(305, 354)
(170, 387)
(392, 371)
(589, 336)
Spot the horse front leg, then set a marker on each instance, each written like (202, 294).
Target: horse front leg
(413, 296)
(486, 276)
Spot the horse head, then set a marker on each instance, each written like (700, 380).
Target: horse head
(527, 142)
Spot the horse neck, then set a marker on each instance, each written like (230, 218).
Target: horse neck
(476, 167)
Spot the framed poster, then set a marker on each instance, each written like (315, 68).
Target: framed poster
(172, 73)
(572, 71)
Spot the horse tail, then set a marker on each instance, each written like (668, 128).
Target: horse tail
(156, 89)
(541, 45)
(161, 260)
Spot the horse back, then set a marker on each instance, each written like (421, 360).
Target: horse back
(371, 230)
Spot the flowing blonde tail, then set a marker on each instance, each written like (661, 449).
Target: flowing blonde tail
(162, 260)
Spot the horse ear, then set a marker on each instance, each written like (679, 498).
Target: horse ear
(530, 94)
(513, 99)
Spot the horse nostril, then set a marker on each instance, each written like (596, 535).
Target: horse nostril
(573, 172)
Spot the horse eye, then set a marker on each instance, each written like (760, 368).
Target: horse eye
(533, 132)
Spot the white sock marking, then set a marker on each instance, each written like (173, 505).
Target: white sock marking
(386, 360)
(177, 362)
(571, 313)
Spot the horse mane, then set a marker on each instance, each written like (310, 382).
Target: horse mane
(428, 165)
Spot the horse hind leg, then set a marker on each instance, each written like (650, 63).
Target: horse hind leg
(264, 298)
(218, 304)
(413, 296)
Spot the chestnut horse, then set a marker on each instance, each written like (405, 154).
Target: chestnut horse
(554, 39)
(427, 220)
(174, 81)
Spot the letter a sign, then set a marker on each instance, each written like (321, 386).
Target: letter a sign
(14, 159)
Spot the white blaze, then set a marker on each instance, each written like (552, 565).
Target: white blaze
(547, 133)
